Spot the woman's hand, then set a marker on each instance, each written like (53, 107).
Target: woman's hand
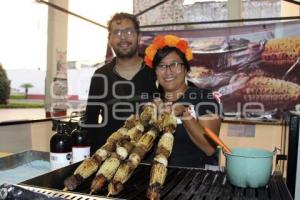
(178, 109)
(168, 107)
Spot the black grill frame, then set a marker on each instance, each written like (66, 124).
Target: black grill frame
(181, 184)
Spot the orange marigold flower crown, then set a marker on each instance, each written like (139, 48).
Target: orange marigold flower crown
(161, 41)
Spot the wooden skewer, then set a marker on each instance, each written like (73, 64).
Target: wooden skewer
(216, 139)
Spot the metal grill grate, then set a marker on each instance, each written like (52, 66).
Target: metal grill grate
(65, 195)
(181, 184)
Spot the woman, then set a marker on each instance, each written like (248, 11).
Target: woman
(195, 108)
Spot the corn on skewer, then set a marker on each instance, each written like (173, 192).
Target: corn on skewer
(90, 165)
(105, 173)
(159, 167)
(149, 114)
(131, 121)
(123, 148)
(135, 133)
(169, 123)
(158, 175)
(126, 169)
(164, 149)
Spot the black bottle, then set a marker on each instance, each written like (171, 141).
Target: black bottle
(80, 145)
(60, 148)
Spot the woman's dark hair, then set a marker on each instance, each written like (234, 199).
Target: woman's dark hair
(161, 53)
(120, 16)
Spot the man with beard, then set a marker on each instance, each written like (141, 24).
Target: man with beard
(118, 87)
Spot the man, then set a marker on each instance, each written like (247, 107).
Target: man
(116, 85)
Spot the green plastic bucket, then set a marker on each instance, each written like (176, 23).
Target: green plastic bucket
(249, 167)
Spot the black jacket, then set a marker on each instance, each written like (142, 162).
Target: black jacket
(109, 94)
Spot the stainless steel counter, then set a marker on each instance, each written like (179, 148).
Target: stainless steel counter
(19, 167)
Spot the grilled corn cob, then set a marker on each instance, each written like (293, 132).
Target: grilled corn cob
(157, 179)
(90, 165)
(289, 44)
(85, 169)
(128, 141)
(126, 169)
(131, 121)
(159, 166)
(135, 133)
(105, 173)
(146, 141)
(123, 147)
(165, 145)
(122, 175)
(115, 136)
(281, 52)
(270, 91)
(160, 163)
(169, 123)
(149, 115)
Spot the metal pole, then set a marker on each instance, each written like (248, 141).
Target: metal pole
(69, 12)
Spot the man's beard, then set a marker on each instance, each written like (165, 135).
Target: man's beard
(128, 54)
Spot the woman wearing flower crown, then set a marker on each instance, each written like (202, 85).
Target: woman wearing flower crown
(195, 108)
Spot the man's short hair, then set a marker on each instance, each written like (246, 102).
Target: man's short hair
(121, 16)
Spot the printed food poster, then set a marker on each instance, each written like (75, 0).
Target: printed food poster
(59, 87)
(254, 65)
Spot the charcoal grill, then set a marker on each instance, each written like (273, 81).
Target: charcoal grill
(181, 184)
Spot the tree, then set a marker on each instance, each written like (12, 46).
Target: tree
(26, 86)
(4, 86)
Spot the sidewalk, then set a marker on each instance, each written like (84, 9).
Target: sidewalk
(15, 114)
(21, 114)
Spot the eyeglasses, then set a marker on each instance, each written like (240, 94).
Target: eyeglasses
(174, 67)
(128, 32)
